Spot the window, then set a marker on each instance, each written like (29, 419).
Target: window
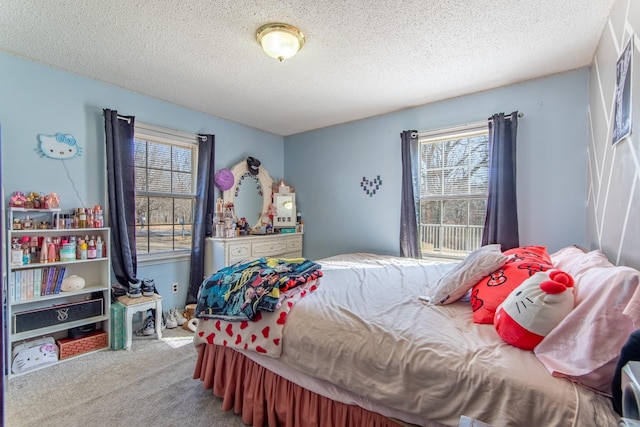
(165, 171)
(454, 175)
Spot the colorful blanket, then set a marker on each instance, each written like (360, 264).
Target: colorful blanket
(238, 292)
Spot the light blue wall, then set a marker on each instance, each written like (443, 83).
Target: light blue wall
(327, 165)
(38, 99)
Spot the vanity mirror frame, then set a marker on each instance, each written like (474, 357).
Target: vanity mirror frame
(266, 182)
(280, 220)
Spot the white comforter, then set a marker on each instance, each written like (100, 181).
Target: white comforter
(366, 330)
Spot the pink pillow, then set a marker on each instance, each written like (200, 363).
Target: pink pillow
(585, 345)
(574, 261)
(566, 256)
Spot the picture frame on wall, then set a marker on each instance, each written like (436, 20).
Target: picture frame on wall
(622, 102)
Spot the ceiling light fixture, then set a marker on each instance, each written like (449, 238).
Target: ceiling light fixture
(280, 41)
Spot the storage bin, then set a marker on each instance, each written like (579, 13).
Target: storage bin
(56, 314)
(70, 347)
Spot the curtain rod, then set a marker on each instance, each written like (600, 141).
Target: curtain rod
(460, 128)
(127, 119)
(520, 115)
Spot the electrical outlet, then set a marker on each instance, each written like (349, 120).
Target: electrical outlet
(174, 288)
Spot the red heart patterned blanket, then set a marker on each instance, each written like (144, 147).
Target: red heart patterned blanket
(263, 334)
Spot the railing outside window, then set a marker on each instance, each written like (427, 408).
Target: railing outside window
(449, 240)
(453, 184)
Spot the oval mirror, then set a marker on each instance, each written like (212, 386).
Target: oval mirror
(248, 198)
(250, 194)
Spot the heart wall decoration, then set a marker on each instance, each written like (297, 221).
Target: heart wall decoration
(370, 187)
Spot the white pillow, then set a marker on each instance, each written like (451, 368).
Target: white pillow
(477, 265)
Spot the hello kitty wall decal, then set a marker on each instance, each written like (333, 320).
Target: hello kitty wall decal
(61, 146)
(371, 186)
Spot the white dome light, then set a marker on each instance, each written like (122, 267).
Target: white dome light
(280, 41)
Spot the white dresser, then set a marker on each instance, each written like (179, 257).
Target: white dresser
(221, 252)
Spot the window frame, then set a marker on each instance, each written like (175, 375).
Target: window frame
(153, 133)
(444, 134)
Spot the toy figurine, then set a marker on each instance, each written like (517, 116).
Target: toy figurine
(271, 212)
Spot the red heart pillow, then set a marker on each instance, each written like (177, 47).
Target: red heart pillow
(490, 291)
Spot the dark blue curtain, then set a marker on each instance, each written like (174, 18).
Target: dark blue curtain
(3, 297)
(409, 204)
(501, 223)
(203, 215)
(119, 131)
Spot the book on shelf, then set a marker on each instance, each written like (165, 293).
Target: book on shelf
(12, 286)
(43, 281)
(29, 283)
(37, 282)
(60, 278)
(53, 271)
(23, 285)
(18, 284)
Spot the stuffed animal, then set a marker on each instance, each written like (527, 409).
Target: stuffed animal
(72, 283)
(534, 308)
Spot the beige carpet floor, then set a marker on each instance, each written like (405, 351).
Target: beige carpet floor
(150, 385)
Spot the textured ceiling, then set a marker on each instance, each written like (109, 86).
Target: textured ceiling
(362, 57)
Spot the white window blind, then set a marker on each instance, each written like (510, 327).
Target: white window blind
(453, 186)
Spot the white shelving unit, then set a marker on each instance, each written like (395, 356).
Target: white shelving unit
(95, 272)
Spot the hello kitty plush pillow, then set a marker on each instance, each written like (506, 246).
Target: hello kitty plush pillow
(523, 262)
(534, 308)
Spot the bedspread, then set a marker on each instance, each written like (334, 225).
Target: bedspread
(365, 330)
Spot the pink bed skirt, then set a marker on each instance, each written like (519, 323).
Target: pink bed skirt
(263, 398)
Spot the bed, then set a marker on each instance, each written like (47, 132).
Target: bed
(367, 344)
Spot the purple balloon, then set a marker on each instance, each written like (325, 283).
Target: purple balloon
(224, 179)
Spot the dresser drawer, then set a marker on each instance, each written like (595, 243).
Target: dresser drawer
(294, 244)
(270, 247)
(238, 251)
(291, 255)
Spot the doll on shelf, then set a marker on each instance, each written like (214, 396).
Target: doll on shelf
(271, 212)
